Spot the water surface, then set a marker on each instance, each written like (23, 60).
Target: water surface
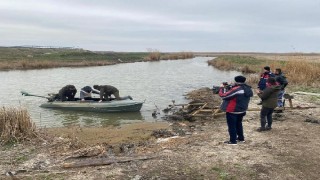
(158, 83)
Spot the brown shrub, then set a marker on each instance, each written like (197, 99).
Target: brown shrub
(303, 73)
(15, 125)
(154, 55)
(246, 70)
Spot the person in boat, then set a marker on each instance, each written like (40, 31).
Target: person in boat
(106, 91)
(67, 93)
(86, 93)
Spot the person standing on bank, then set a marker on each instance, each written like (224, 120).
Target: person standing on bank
(269, 97)
(262, 84)
(235, 104)
(282, 80)
(106, 91)
(264, 77)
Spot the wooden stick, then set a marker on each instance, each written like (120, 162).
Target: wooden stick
(197, 111)
(307, 93)
(103, 161)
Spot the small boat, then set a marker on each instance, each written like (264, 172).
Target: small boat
(92, 105)
(95, 106)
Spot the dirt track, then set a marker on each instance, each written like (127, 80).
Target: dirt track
(291, 150)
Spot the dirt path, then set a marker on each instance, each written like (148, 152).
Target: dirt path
(291, 150)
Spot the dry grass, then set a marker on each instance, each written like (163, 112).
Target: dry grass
(303, 73)
(32, 64)
(298, 71)
(180, 55)
(15, 125)
(154, 55)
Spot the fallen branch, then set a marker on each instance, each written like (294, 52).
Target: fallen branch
(103, 161)
(307, 93)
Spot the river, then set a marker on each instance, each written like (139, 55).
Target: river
(156, 83)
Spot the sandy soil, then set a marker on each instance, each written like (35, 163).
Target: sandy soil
(291, 150)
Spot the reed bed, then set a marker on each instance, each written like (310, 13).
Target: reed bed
(156, 55)
(15, 125)
(298, 71)
(31, 64)
(175, 56)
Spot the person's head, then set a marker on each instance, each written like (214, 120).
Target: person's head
(87, 89)
(96, 87)
(278, 71)
(71, 87)
(240, 79)
(266, 69)
(271, 81)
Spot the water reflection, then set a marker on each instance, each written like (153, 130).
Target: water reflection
(89, 119)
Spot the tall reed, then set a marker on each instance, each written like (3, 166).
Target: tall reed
(15, 125)
(154, 55)
(299, 72)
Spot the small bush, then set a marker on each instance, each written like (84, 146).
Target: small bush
(154, 55)
(15, 125)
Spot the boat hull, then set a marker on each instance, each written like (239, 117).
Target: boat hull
(94, 106)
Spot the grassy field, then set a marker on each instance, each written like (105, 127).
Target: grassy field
(302, 73)
(63, 54)
(38, 58)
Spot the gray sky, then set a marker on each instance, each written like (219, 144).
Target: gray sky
(166, 25)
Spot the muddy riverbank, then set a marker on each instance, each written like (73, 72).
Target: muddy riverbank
(178, 150)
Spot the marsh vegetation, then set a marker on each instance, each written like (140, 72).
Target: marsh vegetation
(300, 71)
(15, 125)
(23, 58)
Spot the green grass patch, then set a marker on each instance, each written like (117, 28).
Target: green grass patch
(61, 54)
(242, 60)
(223, 175)
(21, 159)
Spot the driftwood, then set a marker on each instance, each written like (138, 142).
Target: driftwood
(307, 93)
(201, 108)
(103, 161)
(217, 112)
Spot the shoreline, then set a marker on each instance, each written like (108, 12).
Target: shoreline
(194, 149)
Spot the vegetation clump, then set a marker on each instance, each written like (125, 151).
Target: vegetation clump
(15, 125)
(298, 72)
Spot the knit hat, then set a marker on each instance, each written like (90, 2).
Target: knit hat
(240, 79)
(267, 68)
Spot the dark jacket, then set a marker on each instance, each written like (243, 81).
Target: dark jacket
(106, 91)
(236, 99)
(282, 80)
(263, 80)
(269, 96)
(67, 93)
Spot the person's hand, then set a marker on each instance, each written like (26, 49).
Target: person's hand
(258, 91)
(82, 100)
(100, 101)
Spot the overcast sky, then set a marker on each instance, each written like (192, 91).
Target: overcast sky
(166, 25)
